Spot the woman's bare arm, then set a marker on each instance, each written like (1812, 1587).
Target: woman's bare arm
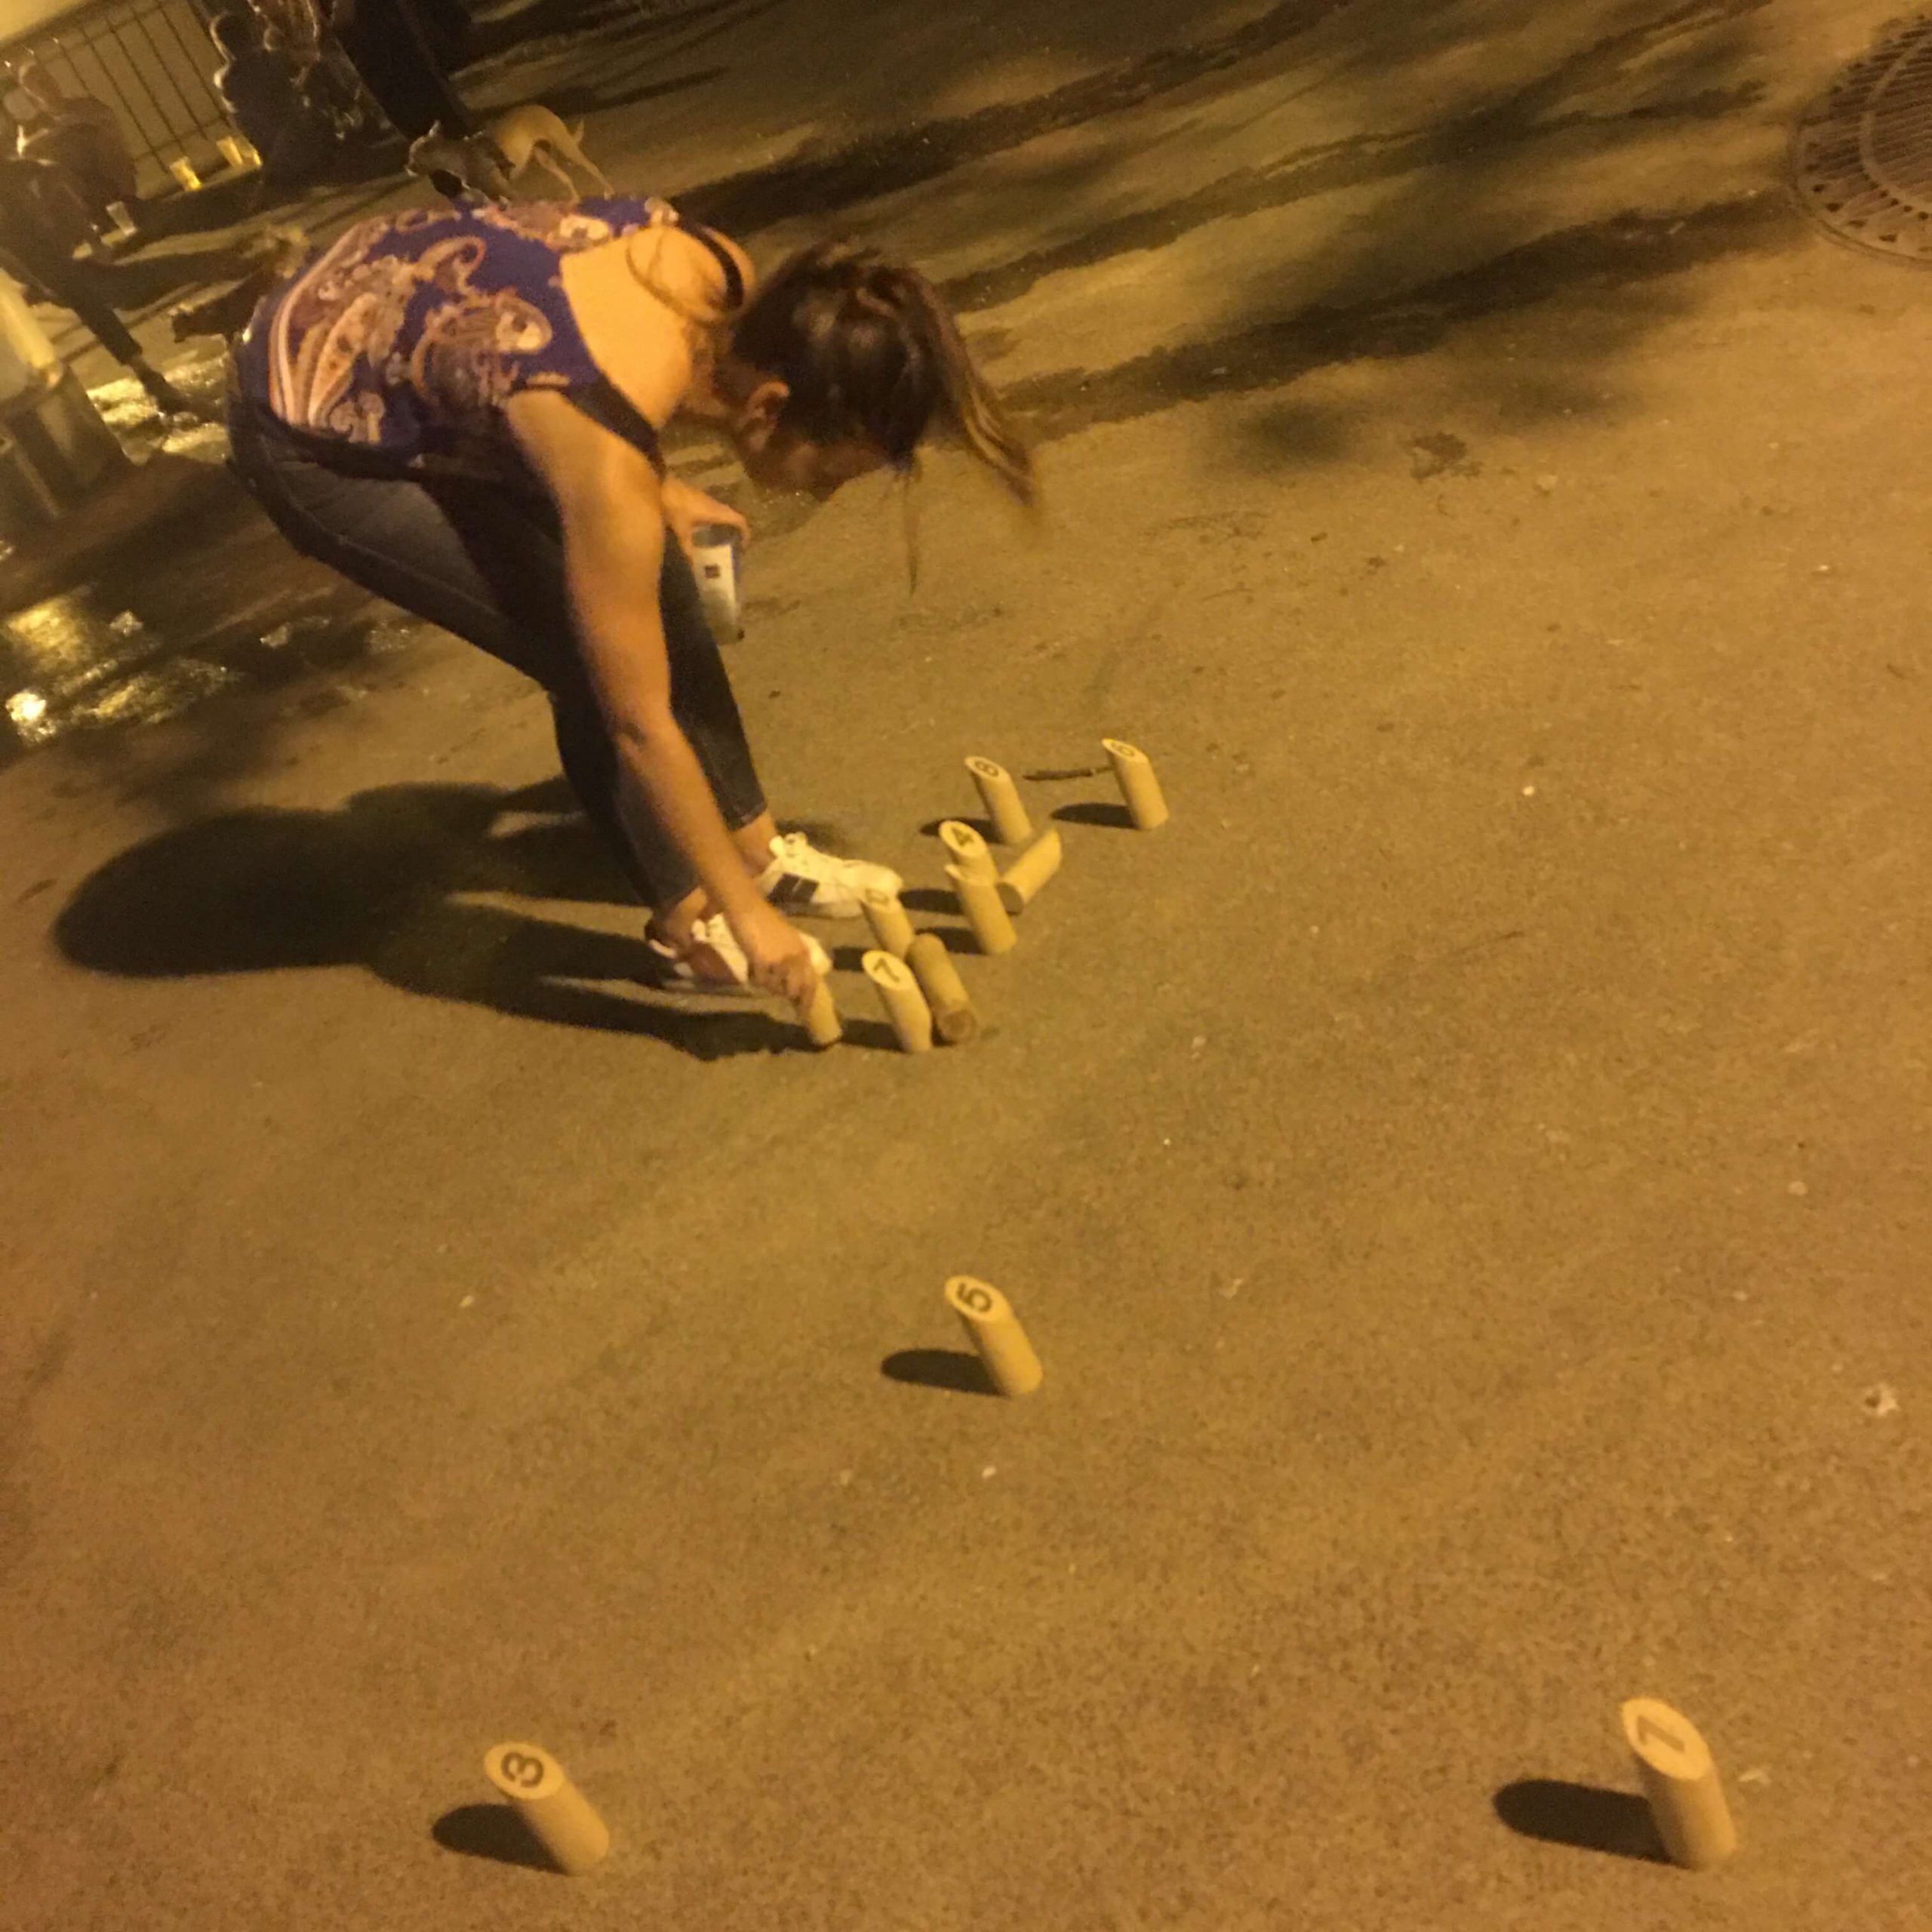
(607, 496)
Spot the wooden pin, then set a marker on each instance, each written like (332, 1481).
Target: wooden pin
(1000, 797)
(1010, 1362)
(887, 919)
(557, 1814)
(954, 1019)
(978, 900)
(1686, 1798)
(968, 849)
(1145, 804)
(1029, 872)
(905, 1004)
(823, 1025)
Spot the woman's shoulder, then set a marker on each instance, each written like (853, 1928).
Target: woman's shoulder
(565, 227)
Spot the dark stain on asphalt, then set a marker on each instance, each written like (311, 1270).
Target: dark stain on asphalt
(1530, 114)
(1620, 252)
(1439, 454)
(886, 163)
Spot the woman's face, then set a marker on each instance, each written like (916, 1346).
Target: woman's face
(774, 460)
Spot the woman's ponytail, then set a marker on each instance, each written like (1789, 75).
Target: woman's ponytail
(868, 350)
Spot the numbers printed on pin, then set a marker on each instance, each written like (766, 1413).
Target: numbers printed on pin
(1647, 1729)
(520, 1767)
(977, 1299)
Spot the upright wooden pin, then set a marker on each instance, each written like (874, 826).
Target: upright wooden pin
(1000, 797)
(1146, 804)
(978, 900)
(968, 850)
(1682, 1783)
(995, 1331)
(887, 919)
(557, 1813)
(1029, 872)
(954, 1019)
(823, 1025)
(904, 1005)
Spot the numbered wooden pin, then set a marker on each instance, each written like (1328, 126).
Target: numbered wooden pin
(954, 1019)
(1010, 1362)
(1146, 804)
(1000, 797)
(968, 849)
(823, 1028)
(978, 900)
(1029, 872)
(1682, 1783)
(904, 1005)
(887, 919)
(557, 1814)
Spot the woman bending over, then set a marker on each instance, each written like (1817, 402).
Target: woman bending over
(459, 409)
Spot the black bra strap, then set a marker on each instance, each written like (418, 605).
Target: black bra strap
(603, 402)
(734, 280)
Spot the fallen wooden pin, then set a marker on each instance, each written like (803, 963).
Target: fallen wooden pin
(1029, 872)
(954, 1019)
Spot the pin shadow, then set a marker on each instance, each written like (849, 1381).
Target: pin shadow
(1584, 1816)
(494, 1831)
(927, 899)
(1095, 811)
(950, 1369)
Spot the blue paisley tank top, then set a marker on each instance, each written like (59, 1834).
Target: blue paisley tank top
(404, 337)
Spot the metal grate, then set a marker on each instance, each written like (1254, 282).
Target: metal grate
(1862, 159)
(150, 61)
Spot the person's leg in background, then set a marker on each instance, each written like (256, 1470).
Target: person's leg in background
(389, 48)
(27, 241)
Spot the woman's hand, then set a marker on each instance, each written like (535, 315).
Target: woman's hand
(685, 508)
(777, 954)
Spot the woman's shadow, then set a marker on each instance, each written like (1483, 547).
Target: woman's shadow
(372, 884)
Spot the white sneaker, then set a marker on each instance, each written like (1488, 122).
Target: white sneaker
(714, 961)
(801, 879)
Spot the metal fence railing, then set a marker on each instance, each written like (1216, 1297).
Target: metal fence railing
(150, 61)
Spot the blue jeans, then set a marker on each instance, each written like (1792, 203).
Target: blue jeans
(486, 560)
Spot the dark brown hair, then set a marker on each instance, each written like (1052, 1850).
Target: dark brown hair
(869, 351)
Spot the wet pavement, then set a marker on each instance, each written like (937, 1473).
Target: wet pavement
(205, 598)
(1466, 1177)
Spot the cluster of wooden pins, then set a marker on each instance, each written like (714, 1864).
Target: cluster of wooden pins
(918, 987)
